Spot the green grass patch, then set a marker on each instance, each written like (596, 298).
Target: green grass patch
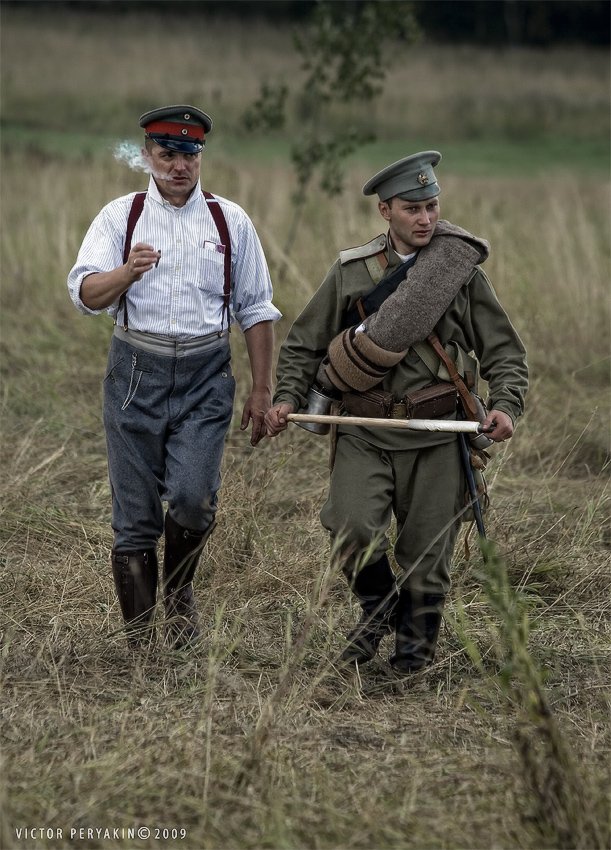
(485, 157)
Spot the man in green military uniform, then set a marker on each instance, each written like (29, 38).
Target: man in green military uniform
(417, 476)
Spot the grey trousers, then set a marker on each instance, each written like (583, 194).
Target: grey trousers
(423, 488)
(165, 419)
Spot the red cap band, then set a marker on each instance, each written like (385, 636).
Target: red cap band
(174, 128)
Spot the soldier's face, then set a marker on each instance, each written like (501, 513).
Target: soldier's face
(411, 223)
(175, 173)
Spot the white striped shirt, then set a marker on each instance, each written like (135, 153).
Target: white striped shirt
(183, 296)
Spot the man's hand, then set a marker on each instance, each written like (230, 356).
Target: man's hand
(101, 289)
(501, 424)
(141, 259)
(276, 418)
(257, 404)
(260, 344)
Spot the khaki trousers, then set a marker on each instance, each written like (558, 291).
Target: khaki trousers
(423, 488)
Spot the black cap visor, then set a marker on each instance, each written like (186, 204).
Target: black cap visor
(178, 145)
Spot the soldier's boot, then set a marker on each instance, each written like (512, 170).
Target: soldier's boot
(135, 575)
(183, 548)
(375, 588)
(418, 619)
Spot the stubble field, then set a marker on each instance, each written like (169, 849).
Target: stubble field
(256, 739)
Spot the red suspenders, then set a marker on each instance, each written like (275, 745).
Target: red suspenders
(221, 225)
(134, 214)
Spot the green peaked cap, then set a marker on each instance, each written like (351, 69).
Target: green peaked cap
(411, 178)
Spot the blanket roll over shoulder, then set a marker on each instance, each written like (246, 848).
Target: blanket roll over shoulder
(360, 361)
(443, 267)
(355, 362)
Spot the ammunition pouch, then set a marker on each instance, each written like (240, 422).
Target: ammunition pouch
(374, 404)
(431, 402)
(428, 403)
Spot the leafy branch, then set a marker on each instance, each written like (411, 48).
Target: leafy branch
(344, 56)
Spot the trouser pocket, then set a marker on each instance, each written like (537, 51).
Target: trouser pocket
(124, 377)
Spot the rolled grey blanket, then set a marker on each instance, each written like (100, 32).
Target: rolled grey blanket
(359, 361)
(354, 362)
(412, 311)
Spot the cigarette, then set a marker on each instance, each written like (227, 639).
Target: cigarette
(158, 258)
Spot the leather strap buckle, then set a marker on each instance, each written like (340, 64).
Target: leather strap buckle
(398, 411)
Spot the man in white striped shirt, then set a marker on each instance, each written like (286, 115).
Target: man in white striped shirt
(174, 267)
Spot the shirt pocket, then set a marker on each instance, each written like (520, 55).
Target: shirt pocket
(211, 267)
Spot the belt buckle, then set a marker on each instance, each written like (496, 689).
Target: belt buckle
(399, 411)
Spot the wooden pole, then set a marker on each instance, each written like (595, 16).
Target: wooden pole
(462, 426)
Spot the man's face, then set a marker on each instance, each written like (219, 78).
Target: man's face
(411, 223)
(175, 173)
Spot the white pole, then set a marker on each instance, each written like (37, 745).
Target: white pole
(462, 426)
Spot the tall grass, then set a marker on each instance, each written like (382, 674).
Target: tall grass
(257, 738)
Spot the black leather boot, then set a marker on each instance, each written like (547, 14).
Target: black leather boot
(182, 552)
(135, 575)
(418, 618)
(375, 589)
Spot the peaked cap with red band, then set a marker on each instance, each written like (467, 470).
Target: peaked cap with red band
(179, 128)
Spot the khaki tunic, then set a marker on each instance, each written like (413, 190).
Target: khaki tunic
(476, 321)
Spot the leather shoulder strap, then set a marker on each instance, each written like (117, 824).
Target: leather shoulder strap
(426, 353)
(134, 214)
(463, 390)
(221, 225)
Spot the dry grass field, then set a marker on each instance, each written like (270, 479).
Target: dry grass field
(256, 739)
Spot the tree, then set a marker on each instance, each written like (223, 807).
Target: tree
(342, 50)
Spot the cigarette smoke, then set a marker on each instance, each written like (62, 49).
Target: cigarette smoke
(131, 155)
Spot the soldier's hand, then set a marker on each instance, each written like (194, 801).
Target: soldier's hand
(501, 425)
(141, 259)
(276, 418)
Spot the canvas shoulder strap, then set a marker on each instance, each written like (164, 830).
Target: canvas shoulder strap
(376, 266)
(427, 354)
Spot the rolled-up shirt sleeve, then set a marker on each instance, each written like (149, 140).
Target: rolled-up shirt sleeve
(252, 287)
(183, 297)
(101, 251)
